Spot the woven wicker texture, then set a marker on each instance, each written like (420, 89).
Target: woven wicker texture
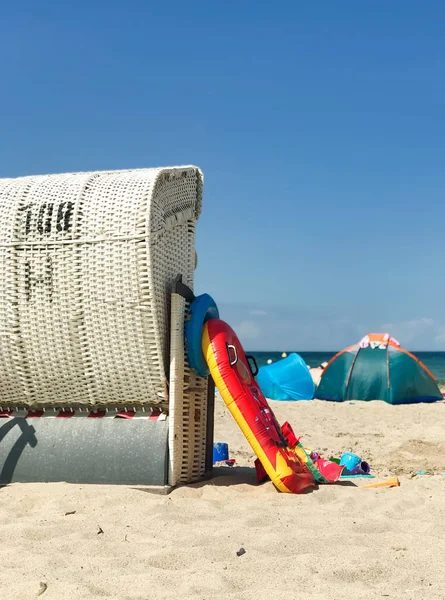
(188, 407)
(86, 268)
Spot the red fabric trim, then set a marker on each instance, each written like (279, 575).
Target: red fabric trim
(125, 414)
(34, 414)
(97, 415)
(66, 413)
(155, 414)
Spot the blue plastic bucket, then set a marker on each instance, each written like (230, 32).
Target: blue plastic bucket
(354, 465)
(220, 452)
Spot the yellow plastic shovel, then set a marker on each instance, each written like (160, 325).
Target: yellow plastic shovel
(393, 482)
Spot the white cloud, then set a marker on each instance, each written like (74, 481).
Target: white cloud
(440, 335)
(258, 313)
(301, 327)
(417, 324)
(409, 332)
(247, 330)
(422, 323)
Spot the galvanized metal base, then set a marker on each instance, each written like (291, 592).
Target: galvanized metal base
(82, 450)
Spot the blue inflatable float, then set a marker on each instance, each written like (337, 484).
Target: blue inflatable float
(201, 310)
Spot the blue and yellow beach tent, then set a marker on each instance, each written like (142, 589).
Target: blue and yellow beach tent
(378, 368)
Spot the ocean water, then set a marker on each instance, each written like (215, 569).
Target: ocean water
(435, 361)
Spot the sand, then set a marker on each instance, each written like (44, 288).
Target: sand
(339, 542)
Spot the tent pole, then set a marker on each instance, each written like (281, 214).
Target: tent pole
(350, 370)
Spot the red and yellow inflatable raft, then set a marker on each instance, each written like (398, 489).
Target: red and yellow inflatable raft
(231, 373)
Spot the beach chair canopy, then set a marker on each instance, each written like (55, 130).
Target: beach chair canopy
(378, 368)
(87, 264)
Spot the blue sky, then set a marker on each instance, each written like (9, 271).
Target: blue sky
(319, 127)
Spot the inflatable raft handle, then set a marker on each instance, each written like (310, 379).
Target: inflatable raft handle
(235, 360)
(252, 365)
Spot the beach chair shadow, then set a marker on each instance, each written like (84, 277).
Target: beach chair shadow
(28, 436)
(232, 476)
(229, 476)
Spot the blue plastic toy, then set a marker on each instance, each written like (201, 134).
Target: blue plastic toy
(354, 465)
(220, 452)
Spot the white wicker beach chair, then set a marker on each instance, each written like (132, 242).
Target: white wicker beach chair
(87, 267)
